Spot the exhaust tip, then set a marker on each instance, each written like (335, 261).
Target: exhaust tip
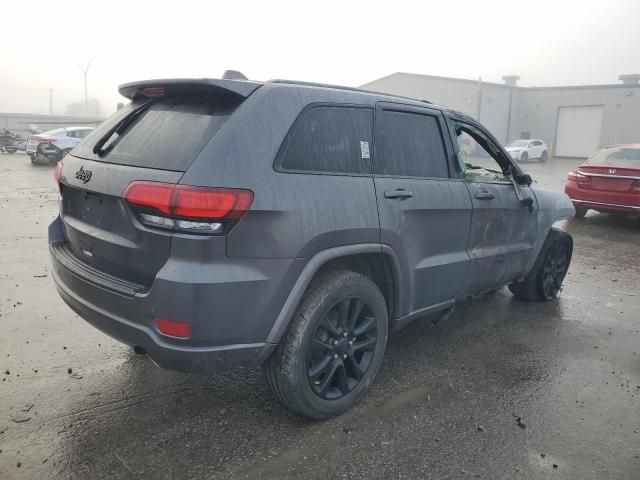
(138, 350)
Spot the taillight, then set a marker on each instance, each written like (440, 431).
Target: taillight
(583, 178)
(578, 177)
(46, 139)
(173, 328)
(57, 173)
(186, 208)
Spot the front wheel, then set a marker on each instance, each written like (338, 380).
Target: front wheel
(333, 347)
(543, 157)
(545, 278)
(524, 157)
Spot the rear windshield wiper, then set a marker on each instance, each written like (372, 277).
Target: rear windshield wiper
(119, 128)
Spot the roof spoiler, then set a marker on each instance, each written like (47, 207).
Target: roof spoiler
(160, 88)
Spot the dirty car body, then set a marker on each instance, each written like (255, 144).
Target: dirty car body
(208, 252)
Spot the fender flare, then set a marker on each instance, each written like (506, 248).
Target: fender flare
(312, 267)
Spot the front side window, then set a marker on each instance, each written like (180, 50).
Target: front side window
(479, 156)
(411, 145)
(331, 139)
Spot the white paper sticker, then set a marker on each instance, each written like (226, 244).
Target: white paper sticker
(364, 148)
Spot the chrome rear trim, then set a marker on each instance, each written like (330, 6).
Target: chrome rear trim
(606, 176)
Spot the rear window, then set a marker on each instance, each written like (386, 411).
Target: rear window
(411, 145)
(329, 139)
(616, 156)
(168, 135)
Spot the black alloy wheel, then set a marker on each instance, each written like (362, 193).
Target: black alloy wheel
(555, 268)
(342, 348)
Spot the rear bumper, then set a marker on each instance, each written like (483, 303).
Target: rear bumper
(230, 317)
(606, 206)
(602, 200)
(172, 357)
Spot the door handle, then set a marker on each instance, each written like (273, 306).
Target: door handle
(399, 194)
(484, 195)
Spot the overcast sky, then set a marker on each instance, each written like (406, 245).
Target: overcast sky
(546, 42)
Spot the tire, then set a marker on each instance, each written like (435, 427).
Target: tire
(306, 373)
(543, 157)
(580, 212)
(524, 157)
(33, 159)
(11, 149)
(545, 278)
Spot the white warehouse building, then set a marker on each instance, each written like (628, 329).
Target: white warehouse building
(574, 120)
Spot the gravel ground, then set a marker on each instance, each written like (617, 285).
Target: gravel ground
(502, 389)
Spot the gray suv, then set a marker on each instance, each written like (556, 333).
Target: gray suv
(219, 223)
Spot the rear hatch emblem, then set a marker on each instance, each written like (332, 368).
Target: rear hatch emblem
(83, 175)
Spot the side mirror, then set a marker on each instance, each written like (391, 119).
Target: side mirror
(528, 203)
(523, 179)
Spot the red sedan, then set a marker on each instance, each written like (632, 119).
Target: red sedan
(609, 181)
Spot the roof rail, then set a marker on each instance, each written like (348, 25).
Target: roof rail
(342, 87)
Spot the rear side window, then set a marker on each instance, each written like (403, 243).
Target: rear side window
(411, 145)
(329, 139)
(168, 135)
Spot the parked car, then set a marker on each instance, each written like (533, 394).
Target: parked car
(608, 181)
(523, 150)
(276, 233)
(10, 142)
(53, 145)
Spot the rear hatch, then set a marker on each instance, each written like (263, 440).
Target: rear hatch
(613, 176)
(166, 125)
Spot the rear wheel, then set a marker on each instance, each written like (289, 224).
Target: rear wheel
(543, 157)
(33, 158)
(545, 278)
(333, 348)
(524, 157)
(581, 211)
(11, 149)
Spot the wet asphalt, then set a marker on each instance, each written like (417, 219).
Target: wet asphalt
(500, 390)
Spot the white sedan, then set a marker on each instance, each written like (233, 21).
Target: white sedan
(523, 150)
(51, 146)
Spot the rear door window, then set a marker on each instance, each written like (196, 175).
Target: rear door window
(332, 139)
(411, 145)
(167, 135)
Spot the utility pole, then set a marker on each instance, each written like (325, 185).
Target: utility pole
(479, 110)
(85, 71)
(50, 101)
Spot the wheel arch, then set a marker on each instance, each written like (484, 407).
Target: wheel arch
(553, 207)
(378, 262)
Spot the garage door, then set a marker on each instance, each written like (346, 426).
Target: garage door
(579, 130)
